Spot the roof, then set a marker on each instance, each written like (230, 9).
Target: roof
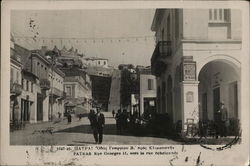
(24, 54)
(37, 53)
(95, 58)
(73, 71)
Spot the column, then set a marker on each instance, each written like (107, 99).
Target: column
(46, 107)
(189, 93)
(189, 102)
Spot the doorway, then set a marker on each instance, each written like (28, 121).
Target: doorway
(216, 101)
(39, 107)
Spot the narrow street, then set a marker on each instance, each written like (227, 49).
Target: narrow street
(78, 133)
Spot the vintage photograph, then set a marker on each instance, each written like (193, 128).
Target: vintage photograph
(163, 76)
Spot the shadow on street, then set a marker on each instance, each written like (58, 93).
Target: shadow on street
(110, 129)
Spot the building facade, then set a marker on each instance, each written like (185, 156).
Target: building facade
(28, 97)
(15, 84)
(96, 62)
(77, 85)
(57, 94)
(147, 92)
(197, 62)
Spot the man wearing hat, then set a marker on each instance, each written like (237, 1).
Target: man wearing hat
(98, 123)
(222, 119)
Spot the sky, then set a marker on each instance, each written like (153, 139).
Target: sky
(122, 36)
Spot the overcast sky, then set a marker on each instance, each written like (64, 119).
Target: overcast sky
(90, 25)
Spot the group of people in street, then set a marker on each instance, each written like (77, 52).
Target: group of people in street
(97, 122)
(125, 119)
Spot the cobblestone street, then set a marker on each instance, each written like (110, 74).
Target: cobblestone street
(78, 133)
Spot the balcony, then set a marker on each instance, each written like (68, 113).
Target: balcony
(15, 89)
(44, 84)
(57, 93)
(161, 57)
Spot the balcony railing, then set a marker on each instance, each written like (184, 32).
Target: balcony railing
(15, 89)
(160, 57)
(45, 84)
(57, 93)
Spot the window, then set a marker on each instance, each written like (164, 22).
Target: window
(162, 34)
(219, 26)
(176, 23)
(68, 91)
(27, 85)
(227, 15)
(168, 27)
(22, 83)
(150, 84)
(17, 77)
(11, 75)
(210, 14)
(219, 15)
(99, 62)
(32, 87)
(104, 62)
(215, 14)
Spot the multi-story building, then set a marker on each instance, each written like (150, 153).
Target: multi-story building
(51, 82)
(15, 83)
(69, 58)
(28, 97)
(96, 62)
(39, 66)
(147, 92)
(57, 94)
(77, 86)
(197, 62)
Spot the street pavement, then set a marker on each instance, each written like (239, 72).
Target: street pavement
(79, 133)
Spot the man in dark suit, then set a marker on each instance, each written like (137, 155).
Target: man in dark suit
(98, 123)
(222, 119)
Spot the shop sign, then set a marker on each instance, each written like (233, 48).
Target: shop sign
(189, 71)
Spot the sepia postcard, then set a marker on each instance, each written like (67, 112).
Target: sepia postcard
(125, 83)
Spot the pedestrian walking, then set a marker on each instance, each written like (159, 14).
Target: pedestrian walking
(91, 117)
(98, 125)
(113, 113)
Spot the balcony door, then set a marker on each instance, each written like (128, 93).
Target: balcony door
(39, 107)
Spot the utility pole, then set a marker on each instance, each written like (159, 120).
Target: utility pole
(52, 54)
